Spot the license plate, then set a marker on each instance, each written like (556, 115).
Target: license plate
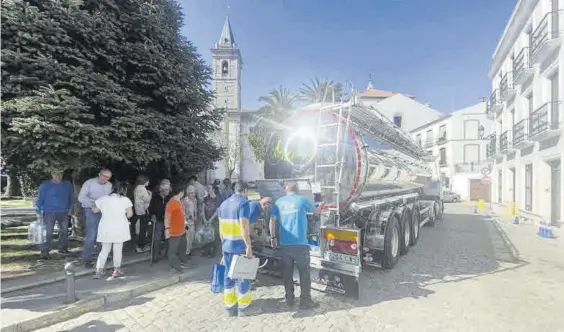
(341, 258)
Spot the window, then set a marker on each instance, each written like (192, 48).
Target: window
(471, 129)
(442, 154)
(442, 133)
(429, 135)
(397, 120)
(529, 187)
(418, 139)
(499, 186)
(224, 67)
(471, 153)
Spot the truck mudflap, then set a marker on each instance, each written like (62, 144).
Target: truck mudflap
(330, 280)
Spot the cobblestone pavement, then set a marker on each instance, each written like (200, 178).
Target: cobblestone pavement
(462, 276)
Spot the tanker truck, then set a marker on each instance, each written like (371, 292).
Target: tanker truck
(374, 184)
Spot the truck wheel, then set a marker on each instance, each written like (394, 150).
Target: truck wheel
(406, 233)
(391, 243)
(432, 215)
(415, 227)
(440, 209)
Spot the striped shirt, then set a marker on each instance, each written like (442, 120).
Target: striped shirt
(231, 210)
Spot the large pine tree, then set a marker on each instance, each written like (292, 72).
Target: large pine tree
(94, 82)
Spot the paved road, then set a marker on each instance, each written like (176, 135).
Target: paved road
(462, 276)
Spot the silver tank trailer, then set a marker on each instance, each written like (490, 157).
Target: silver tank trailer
(379, 159)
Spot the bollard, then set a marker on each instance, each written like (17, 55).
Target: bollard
(516, 220)
(70, 274)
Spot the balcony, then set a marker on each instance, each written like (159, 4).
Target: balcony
(491, 148)
(522, 69)
(428, 143)
(494, 105)
(547, 36)
(472, 167)
(504, 142)
(442, 140)
(546, 121)
(506, 88)
(521, 134)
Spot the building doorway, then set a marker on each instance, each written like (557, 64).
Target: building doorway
(555, 191)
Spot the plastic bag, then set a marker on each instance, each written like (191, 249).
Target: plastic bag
(37, 232)
(205, 235)
(218, 275)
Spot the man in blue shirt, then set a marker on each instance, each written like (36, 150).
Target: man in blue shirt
(289, 222)
(257, 207)
(54, 204)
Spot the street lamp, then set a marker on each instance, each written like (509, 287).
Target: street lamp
(481, 132)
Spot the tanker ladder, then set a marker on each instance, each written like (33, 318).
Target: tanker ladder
(336, 144)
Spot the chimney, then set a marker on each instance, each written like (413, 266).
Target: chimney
(482, 99)
(428, 105)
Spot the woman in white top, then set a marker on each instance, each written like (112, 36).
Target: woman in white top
(113, 230)
(142, 200)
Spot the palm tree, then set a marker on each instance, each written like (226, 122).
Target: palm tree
(278, 104)
(320, 91)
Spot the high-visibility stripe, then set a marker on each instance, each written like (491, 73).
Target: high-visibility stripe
(229, 298)
(244, 301)
(228, 228)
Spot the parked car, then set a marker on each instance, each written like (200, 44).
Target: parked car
(450, 197)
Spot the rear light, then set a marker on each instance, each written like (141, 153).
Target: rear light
(343, 247)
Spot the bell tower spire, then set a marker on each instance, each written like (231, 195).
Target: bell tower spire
(226, 40)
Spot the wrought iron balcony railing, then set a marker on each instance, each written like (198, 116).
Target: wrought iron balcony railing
(491, 148)
(521, 63)
(548, 29)
(506, 83)
(442, 139)
(520, 130)
(493, 102)
(504, 141)
(547, 117)
(472, 167)
(429, 142)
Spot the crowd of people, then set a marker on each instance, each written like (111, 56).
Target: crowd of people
(165, 222)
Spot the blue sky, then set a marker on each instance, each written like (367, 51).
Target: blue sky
(437, 50)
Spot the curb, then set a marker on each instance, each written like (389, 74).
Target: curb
(62, 313)
(63, 277)
(514, 252)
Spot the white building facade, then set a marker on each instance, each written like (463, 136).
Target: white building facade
(227, 64)
(459, 141)
(527, 148)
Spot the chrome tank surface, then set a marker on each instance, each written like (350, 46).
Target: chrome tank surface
(371, 169)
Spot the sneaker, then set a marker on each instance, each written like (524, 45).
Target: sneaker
(186, 266)
(64, 251)
(99, 274)
(309, 304)
(139, 250)
(249, 311)
(117, 273)
(232, 313)
(44, 256)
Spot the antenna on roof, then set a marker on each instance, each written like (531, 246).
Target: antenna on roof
(369, 87)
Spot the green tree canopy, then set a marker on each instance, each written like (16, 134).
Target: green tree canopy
(97, 82)
(320, 91)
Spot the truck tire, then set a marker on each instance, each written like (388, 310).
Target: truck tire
(405, 232)
(415, 226)
(440, 210)
(432, 215)
(391, 243)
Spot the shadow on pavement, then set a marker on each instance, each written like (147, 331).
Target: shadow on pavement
(461, 247)
(97, 326)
